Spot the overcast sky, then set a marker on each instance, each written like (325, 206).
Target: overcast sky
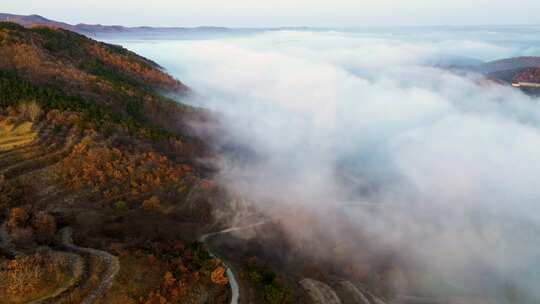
(251, 13)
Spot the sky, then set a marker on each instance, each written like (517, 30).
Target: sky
(256, 13)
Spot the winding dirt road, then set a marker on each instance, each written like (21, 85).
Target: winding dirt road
(319, 292)
(358, 296)
(203, 238)
(75, 260)
(235, 290)
(112, 263)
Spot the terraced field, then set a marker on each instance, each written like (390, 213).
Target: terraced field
(35, 155)
(25, 150)
(15, 135)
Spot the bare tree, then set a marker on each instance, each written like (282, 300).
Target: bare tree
(30, 110)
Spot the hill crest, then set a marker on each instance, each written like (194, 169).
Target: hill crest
(95, 29)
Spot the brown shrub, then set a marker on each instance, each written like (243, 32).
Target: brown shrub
(12, 193)
(22, 236)
(12, 111)
(169, 279)
(152, 204)
(17, 218)
(30, 110)
(44, 225)
(27, 277)
(65, 118)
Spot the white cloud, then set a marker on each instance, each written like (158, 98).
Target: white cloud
(435, 166)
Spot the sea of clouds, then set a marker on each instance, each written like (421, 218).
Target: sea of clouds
(443, 168)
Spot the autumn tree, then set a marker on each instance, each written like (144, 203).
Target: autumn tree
(218, 276)
(169, 279)
(152, 204)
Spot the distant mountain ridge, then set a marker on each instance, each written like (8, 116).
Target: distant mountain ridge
(509, 64)
(522, 72)
(509, 70)
(513, 71)
(34, 20)
(99, 29)
(93, 29)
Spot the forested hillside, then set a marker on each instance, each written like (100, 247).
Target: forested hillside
(67, 71)
(102, 197)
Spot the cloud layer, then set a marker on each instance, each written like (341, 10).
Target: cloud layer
(443, 169)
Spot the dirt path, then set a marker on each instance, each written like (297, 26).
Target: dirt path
(75, 261)
(319, 292)
(43, 161)
(107, 278)
(112, 263)
(358, 296)
(235, 289)
(203, 238)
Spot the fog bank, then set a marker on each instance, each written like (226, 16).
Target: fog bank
(362, 131)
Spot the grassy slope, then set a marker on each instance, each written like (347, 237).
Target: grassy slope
(12, 135)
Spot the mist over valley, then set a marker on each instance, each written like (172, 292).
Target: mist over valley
(381, 146)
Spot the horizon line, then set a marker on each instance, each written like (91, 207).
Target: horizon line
(262, 27)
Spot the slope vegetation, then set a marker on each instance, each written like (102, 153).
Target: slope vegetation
(96, 165)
